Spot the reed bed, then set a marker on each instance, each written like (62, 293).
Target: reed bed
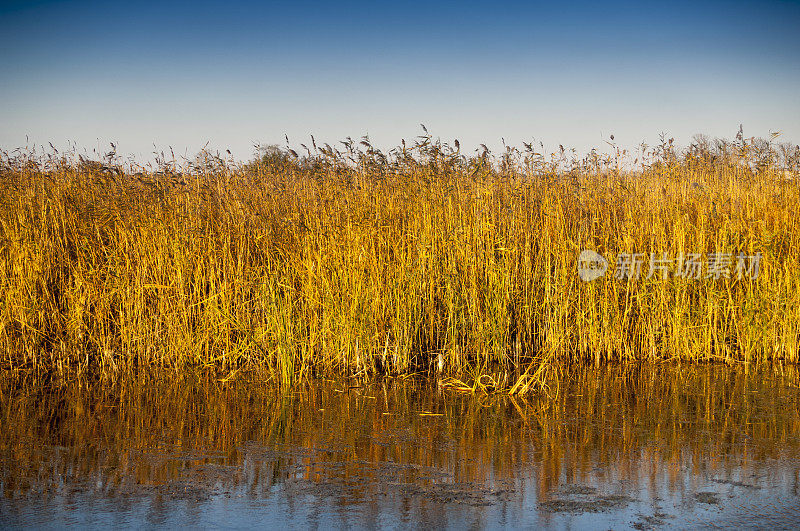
(422, 259)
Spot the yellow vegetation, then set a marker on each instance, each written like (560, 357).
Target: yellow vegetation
(418, 260)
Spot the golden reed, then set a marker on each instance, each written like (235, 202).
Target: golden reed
(421, 259)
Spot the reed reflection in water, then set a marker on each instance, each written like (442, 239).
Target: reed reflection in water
(641, 447)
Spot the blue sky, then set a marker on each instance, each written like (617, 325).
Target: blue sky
(184, 74)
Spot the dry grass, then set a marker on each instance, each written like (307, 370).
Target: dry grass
(417, 260)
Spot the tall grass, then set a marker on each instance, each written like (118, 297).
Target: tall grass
(421, 259)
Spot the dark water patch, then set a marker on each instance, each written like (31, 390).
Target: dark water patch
(585, 504)
(711, 498)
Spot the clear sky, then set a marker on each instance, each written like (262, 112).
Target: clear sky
(183, 74)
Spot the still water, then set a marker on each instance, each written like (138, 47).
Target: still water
(648, 447)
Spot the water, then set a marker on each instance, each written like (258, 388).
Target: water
(618, 448)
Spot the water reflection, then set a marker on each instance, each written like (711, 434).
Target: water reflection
(644, 447)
